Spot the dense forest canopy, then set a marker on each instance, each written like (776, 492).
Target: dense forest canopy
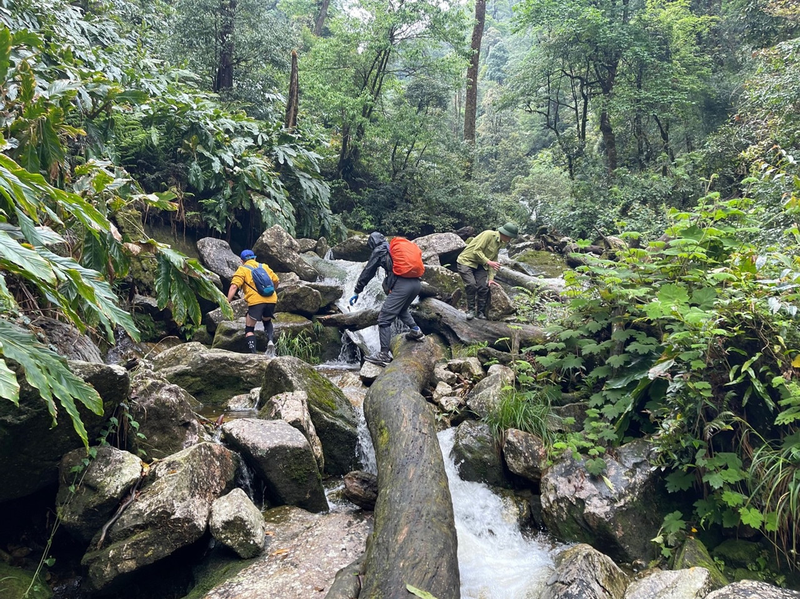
(673, 122)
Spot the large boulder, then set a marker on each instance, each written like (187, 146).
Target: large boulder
(486, 395)
(500, 305)
(333, 415)
(330, 294)
(693, 554)
(281, 252)
(443, 246)
(477, 455)
(67, 340)
(212, 376)
(299, 299)
(171, 512)
(293, 408)
(282, 458)
(354, 249)
(165, 415)
(237, 523)
(752, 589)
(361, 488)
(584, 573)
(444, 280)
(691, 583)
(213, 318)
(217, 256)
(525, 454)
(89, 494)
(617, 513)
(32, 447)
(229, 334)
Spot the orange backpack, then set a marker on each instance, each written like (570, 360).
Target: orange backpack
(406, 258)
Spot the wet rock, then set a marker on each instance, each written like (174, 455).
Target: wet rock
(68, 341)
(329, 294)
(244, 401)
(584, 573)
(282, 458)
(361, 488)
(32, 448)
(304, 553)
(322, 248)
(166, 417)
(306, 245)
(354, 249)
(213, 318)
(525, 454)
(212, 376)
(486, 395)
(618, 513)
(99, 488)
(751, 589)
(292, 407)
(334, 417)
(282, 253)
(237, 523)
(692, 583)
(299, 299)
(444, 246)
(171, 512)
(477, 455)
(230, 334)
(217, 256)
(369, 372)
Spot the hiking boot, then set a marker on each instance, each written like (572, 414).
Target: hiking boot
(270, 353)
(415, 334)
(381, 358)
(481, 316)
(470, 314)
(251, 344)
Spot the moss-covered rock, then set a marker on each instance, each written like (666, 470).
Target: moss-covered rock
(230, 334)
(737, 552)
(333, 415)
(443, 279)
(477, 455)
(545, 264)
(15, 581)
(693, 553)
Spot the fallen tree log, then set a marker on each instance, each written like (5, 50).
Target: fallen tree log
(351, 320)
(435, 316)
(552, 288)
(413, 540)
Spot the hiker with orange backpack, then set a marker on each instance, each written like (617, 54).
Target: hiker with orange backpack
(402, 262)
(254, 280)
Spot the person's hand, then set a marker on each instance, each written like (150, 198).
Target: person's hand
(494, 265)
(495, 283)
(353, 300)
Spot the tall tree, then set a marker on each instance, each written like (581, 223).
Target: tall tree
(471, 102)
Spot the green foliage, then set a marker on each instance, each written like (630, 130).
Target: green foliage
(300, 346)
(527, 411)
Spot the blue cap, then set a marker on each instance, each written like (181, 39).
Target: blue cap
(247, 255)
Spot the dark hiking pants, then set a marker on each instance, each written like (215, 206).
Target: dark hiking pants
(476, 287)
(396, 306)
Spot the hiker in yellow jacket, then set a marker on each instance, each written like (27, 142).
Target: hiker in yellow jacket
(259, 307)
(477, 264)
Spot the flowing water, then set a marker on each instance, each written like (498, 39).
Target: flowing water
(495, 559)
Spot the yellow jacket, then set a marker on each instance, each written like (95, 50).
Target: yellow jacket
(243, 279)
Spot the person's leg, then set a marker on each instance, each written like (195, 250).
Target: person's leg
(389, 311)
(409, 288)
(266, 320)
(482, 292)
(249, 332)
(470, 287)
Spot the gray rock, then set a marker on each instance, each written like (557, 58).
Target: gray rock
(500, 305)
(217, 256)
(692, 554)
(322, 248)
(442, 390)
(486, 395)
(470, 368)
(245, 401)
(212, 376)
(330, 294)
(692, 583)
(445, 246)
(525, 454)
(306, 245)
(230, 334)
(32, 447)
(165, 413)
(68, 341)
(213, 318)
(98, 488)
(369, 372)
(584, 573)
(442, 374)
(171, 512)
(361, 488)
(237, 523)
(354, 249)
(282, 253)
(292, 407)
(618, 513)
(477, 456)
(444, 280)
(299, 299)
(305, 551)
(333, 415)
(751, 589)
(282, 458)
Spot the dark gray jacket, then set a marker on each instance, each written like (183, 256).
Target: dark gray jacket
(379, 258)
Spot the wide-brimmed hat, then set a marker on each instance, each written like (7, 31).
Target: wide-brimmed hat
(247, 255)
(509, 229)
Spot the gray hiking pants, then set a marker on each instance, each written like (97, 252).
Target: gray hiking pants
(396, 306)
(476, 286)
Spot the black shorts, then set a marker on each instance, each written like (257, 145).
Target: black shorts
(261, 311)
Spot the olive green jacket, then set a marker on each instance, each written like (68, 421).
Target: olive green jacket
(483, 248)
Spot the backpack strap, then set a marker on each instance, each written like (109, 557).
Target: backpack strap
(251, 269)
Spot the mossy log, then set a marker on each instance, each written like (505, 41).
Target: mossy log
(351, 320)
(435, 316)
(533, 284)
(414, 536)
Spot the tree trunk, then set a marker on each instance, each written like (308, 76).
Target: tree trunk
(435, 316)
(352, 320)
(319, 23)
(294, 96)
(609, 140)
(471, 103)
(414, 536)
(225, 41)
(533, 284)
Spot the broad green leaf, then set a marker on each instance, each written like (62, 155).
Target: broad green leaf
(28, 260)
(751, 517)
(418, 592)
(9, 387)
(671, 294)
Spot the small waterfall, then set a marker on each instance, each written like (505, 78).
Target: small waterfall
(494, 558)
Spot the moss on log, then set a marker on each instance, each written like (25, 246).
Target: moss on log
(414, 537)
